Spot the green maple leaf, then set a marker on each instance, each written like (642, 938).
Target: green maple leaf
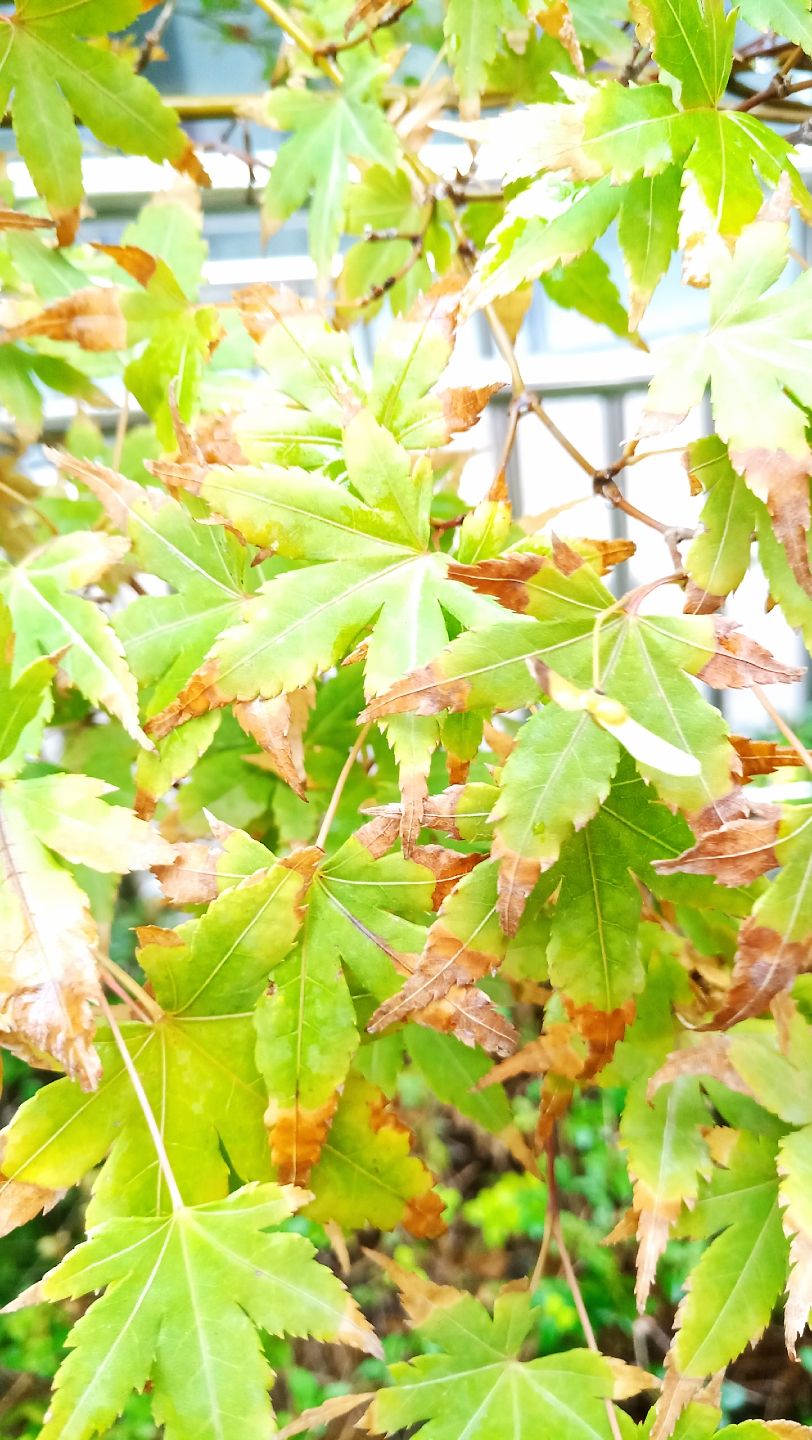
(644, 139)
(476, 1385)
(377, 572)
(196, 1062)
(365, 1174)
(185, 1294)
(791, 18)
(473, 30)
(49, 954)
(48, 617)
(643, 661)
(718, 558)
(329, 128)
(754, 357)
(50, 74)
(734, 1286)
(307, 1027)
(667, 1154)
(21, 699)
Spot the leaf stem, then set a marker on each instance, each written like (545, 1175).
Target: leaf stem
(299, 37)
(329, 814)
(786, 730)
(146, 1108)
(130, 985)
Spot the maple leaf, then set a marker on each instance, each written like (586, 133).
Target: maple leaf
(375, 571)
(49, 74)
(772, 945)
(195, 1062)
(165, 636)
(207, 1277)
(757, 344)
(475, 1377)
(48, 617)
(48, 973)
(365, 1174)
(464, 944)
(732, 1289)
(643, 663)
(328, 130)
(21, 699)
(718, 557)
(667, 1156)
(307, 1027)
(643, 138)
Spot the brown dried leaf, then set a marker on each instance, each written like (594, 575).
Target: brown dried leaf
(116, 493)
(469, 1014)
(92, 318)
(462, 407)
(734, 853)
(262, 306)
(20, 1202)
(505, 577)
(740, 661)
(709, 1055)
(782, 482)
(799, 1284)
(419, 1296)
(558, 1051)
(132, 259)
(373, 13)
(191, 877)
(678, 1391)
(447, 867)
(446, 963)
(278, 727)
(333, 1409)
(557, 21)
(762, 757)
(423, 1216)
(766, 963)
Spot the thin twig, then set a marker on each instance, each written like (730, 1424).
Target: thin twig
(388, 18)
(554, 1211)
(299, 37)
(544, 1250)
(329, 814)
(146, 1109)
(152, 40)
(781, 724)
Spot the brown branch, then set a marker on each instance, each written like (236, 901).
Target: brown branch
(331, 48)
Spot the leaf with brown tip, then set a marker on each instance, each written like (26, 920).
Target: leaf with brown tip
(91, 318)
(278, 727)
(464, 944)
(739, 661)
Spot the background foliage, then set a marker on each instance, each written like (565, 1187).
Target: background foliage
(403, 982)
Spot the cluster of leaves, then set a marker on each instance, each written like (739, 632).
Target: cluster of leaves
(424, 796)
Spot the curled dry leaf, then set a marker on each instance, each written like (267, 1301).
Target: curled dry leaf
(190, 878)
(708, 1055)
(782, 482)
(278, 727)
(735, 853)
(740, 661)
(766, 963)
(762, 757)
(91, 318)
